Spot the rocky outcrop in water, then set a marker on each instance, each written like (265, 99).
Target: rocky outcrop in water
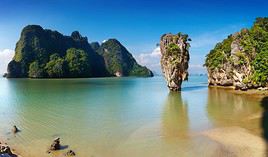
(15, 129)
(241, 60)
(174, 59)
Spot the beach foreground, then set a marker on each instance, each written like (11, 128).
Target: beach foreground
(92, 118)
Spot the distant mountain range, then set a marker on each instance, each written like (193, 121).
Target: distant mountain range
(43, 53)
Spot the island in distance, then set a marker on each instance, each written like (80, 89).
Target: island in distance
(43, 53)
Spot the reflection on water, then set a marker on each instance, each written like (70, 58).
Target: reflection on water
(121, 117)
(175, 117)
(264, 121)
(225, 108)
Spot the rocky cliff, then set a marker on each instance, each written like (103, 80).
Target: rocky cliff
(174, 59)
(43, 53)
(120, 62)
(241, 60)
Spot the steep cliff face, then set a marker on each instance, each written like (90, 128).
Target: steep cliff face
(38, 45)
(42, 53)
(174, 59)
(241, 60)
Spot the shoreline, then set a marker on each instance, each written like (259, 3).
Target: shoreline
(252, 92)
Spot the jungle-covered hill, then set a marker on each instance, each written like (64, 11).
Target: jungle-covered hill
(43, 53)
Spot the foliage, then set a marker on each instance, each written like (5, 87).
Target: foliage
(35, 70)
(173, 49)
(260, 65)
(45, 53)
(219, 54)
(141, 71)
(118, 59)
(254, 52)
(242, 58)
(78, 63)
(56, 67)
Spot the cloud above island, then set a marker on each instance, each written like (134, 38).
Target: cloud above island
(150, 59)
(6, 56)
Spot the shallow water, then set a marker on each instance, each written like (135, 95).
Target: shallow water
(118, 117)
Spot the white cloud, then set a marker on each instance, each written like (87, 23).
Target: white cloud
(150, 60)
(6, 56)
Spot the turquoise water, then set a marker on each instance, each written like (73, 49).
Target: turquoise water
(114, 117)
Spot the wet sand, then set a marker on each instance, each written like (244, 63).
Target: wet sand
(222, 142)
(14, 152)
(237, 142)
(251, 92)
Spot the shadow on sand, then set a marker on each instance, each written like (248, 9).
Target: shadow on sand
(62, 147)
(264, 121)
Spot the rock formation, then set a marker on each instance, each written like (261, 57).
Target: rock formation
(174, 59)
(43, 53)
(119, 62)
(55, 145)
(241, 60)
(15, 129)
(5, 151)
(70, 153)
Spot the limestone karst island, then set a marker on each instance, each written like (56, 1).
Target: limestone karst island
(43, 53)
(133, 78)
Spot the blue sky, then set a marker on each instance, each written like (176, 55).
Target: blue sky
(138, 24)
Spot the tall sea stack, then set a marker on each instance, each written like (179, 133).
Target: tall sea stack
(174, 59)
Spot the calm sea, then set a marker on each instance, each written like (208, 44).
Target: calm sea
(119, 117)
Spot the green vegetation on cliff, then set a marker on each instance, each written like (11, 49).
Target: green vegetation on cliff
(260, 64)
(219, 54)
(174, 51)
(78, 63)
(174, 59)
(246, 53)
(56, 67)
(119, 61)
(42, 53)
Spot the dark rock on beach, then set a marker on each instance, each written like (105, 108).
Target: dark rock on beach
(70, 153)
(55, 145)
(5, 151)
